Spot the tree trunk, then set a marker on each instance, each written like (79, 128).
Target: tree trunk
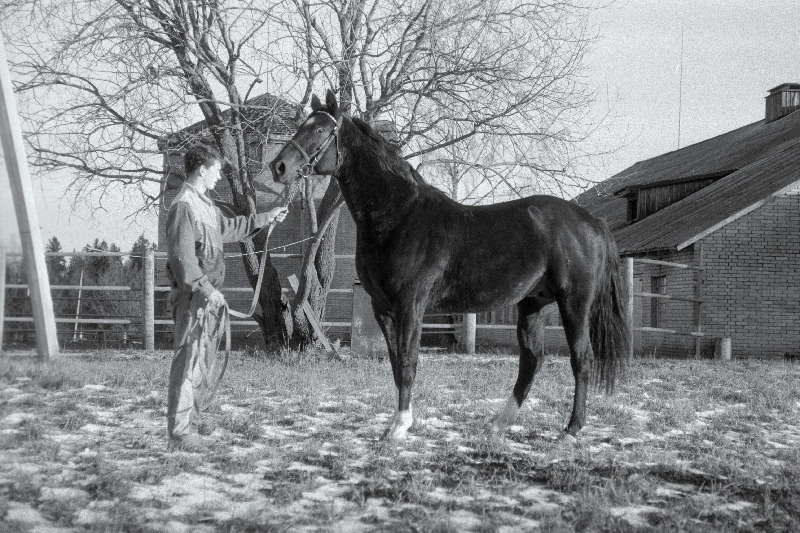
(274, 317)
(319, 265)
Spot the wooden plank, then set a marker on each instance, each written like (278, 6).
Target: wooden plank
(312, 319)
(470, 321)
(162, 288)
(698, 293)
(148, 302)
(2, 292)
(659, 295)
(27, 219)
(627, 271)
(74, 287)
(664, 263)
(671, 331)
(251, 322)
(73, 320)
(78, 254)
(161, 255)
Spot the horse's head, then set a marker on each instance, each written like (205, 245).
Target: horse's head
(314, 149)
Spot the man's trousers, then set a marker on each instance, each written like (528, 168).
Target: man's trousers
(198, 330)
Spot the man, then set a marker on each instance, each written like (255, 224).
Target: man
(196, 231)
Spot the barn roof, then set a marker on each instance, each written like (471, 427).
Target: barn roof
(265, 113)
(766, 157)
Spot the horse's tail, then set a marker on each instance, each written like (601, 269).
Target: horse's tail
(609, 330)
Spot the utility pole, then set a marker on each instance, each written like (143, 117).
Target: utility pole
(22, 193)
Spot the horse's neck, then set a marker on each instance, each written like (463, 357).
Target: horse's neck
(377, 198)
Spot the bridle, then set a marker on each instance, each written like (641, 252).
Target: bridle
(310, 161)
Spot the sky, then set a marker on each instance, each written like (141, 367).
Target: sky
(734, 51)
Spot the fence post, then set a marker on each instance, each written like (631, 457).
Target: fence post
(698, 294)
(44, 319)
(628, 272)
(148, 301)
(470, 327)
(2, 293)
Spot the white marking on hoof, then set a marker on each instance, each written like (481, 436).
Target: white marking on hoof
(505, 417)
(398, 427)
(568, 439)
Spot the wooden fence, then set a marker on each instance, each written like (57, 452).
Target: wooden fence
(464, 326)
(696, 300)
(147, 321)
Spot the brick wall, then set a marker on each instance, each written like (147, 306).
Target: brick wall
(753, 283)
(751, 286)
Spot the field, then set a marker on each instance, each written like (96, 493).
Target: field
(682, 446)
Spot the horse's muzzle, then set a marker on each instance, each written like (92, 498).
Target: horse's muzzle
(278, 168)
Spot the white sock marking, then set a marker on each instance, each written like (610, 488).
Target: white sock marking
(401, 422)
(507, 415)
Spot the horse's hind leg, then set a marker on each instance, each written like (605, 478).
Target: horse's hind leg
(575, 316)
(530, 334)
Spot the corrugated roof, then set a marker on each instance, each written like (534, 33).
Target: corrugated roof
(768, 159)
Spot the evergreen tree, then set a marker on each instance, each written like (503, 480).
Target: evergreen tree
(57, 272)
(56, 266)
(136, 262)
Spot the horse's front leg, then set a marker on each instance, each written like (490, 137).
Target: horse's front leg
(408, 329)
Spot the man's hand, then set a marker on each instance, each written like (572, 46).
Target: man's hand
(277, 214)
(216, 299)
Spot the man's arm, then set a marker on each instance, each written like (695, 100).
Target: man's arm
(240, 228)
(181, 253)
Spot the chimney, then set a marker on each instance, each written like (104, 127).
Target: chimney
(388, 130)
(782, 100)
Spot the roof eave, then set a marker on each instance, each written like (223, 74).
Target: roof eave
(641, 251)
(742, 212)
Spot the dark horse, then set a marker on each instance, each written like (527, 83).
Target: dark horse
(417, 249)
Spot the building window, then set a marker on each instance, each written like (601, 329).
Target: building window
(658, 285)
(633, 207)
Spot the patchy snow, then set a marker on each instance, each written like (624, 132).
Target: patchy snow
(635, 515)
(94, 388)
(315, 463)
(17, 419)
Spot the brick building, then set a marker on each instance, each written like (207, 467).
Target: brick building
(730, 204)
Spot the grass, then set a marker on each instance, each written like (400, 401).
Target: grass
(683, 445)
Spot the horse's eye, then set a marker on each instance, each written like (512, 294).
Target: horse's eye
(319, 130)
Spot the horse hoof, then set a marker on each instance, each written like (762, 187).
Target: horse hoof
(567, 439)
(493, 426)
(394, 434)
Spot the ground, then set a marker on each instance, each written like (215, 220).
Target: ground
(682, 446)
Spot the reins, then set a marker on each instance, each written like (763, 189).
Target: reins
(228, 312)
(304, 171)
(226, 319)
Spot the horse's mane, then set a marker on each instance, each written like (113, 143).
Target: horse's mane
(388, 155)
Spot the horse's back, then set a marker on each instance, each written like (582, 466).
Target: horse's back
(474, 258)
(500, 253)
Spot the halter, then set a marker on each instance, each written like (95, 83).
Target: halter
(310, 161)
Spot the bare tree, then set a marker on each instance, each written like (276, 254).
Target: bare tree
(107, 80)
(485, 95)
(491, 86)
(489, 90)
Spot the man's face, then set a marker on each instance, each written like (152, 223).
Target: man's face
(210, 175)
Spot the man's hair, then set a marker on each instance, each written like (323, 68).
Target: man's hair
(200, 155)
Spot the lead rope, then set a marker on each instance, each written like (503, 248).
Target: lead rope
(227, 311)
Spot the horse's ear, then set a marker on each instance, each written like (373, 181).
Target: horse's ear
(330, 101)
(315, 103)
